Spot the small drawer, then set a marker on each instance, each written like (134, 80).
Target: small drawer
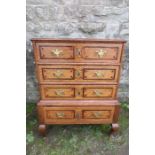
(102, 52)
(58, 74)
(97, 114)
(49, 92)
(96, 92)
(54, 52)
(100, 74)
(60, 114)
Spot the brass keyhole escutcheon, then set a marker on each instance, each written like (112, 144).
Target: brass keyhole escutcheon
(101, 53)
(56, 52)
(78, 93)
(78, 52)
(77, 73)
(59, 92)
(78, 115)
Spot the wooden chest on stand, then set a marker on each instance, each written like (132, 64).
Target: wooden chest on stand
(78, 81)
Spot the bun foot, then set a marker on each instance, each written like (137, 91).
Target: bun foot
(42, 129)
(114, 128)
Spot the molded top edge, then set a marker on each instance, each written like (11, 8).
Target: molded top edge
(79, 40)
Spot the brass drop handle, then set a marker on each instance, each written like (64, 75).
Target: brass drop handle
(98, 93)
(56, 52)
(58, 74)
(101, 53)
(97, 114)
(59, 92)
(99, 74)
(60, 114)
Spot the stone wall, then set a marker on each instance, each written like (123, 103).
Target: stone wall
(76, 19)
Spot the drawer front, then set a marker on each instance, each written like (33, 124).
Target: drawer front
(98, 92)
(97, 114)
(59, 114)
(100, 74)
(49, 92)
(102, 52)
(78, 114)
(55, 52)
(57, 74)
(78, 52)
(63, 73)
(78, 92)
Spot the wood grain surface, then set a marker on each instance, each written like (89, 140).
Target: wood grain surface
(78, 81)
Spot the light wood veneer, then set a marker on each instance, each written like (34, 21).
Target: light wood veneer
(78, 81)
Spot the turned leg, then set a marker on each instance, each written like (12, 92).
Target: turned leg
(42, 129)
(114, 128)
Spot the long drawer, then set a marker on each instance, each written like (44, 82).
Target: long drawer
(79, 115)
(77, 73)
(49, 92)
(107, 52)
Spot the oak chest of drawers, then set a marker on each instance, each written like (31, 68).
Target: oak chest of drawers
(78, 81)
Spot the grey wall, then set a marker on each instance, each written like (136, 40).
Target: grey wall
(76, 19)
